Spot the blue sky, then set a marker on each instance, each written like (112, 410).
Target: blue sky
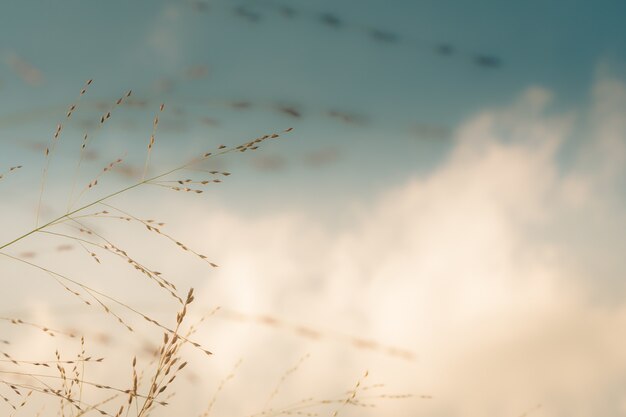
(453, 186)
(400, 88)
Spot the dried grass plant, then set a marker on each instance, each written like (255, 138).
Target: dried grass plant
(60, 383)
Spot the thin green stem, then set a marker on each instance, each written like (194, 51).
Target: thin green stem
(93, 203)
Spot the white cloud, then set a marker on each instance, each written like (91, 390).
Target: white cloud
(501, 269)
(487, 268)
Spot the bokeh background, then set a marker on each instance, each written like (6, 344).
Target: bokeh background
(447, 214)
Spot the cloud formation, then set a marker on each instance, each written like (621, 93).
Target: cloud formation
(500, 268)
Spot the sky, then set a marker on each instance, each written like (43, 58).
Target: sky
(447, 213)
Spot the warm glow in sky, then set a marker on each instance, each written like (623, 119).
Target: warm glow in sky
(448, 214)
